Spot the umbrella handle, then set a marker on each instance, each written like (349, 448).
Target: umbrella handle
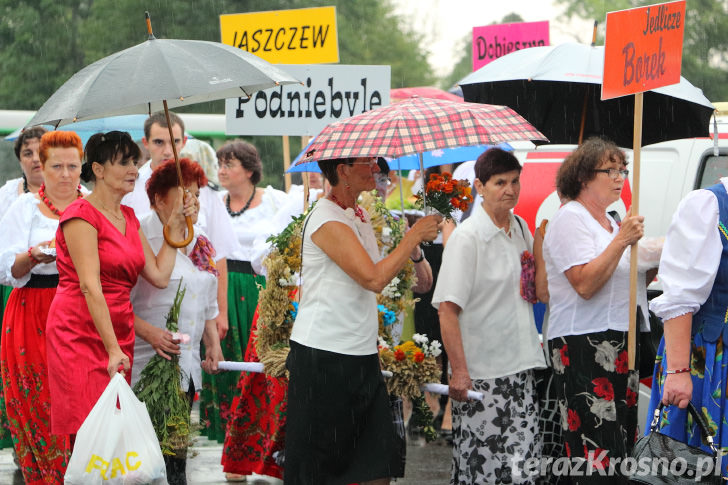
(188, 239)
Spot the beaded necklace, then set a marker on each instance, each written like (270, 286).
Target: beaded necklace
(49, 204)
(25, 185)
(241, 211)
(357, 210)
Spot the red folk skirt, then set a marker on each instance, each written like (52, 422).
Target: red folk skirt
(43, 457)
(255, 429)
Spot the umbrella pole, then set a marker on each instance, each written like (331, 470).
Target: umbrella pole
(424, 183)
(632, 335)
(188, 220)
(586, 93)
(401, 194)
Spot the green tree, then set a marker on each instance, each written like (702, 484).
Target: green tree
(38, 49)
(705, 43)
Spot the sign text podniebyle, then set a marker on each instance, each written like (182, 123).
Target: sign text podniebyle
(329, 93)
(299, 36)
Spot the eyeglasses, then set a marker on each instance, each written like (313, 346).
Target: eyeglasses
(613, 173)
(372, 162)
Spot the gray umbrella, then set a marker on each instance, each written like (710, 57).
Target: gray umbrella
(139, 79)
(155, 75)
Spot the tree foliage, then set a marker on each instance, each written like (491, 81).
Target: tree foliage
(705, 43)
(43, 42)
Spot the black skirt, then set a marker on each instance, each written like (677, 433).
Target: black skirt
(339, 424)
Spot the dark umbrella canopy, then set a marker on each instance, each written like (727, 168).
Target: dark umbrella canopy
(140, 78)
(551, 86)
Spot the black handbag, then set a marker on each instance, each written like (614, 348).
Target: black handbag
(661, 459)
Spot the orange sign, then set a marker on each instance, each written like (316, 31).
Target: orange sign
(643, 49)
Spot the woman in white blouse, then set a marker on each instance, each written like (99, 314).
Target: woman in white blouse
(489, 332)
(195, 268)
(694, 275)
(339, 426)
(28, 263)
(587, 261)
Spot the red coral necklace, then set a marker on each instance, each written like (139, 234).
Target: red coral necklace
(48, 203)
(357, 210)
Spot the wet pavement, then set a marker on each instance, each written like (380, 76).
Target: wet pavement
(427, 464)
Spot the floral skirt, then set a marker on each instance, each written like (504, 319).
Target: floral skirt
(43, 457)
(6, 441)
(597, 396)
(218, 390)
(493, 438)
(256, 427)
(709, 373)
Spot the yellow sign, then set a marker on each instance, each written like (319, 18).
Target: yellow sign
(300, 36)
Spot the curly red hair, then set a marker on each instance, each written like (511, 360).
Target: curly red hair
(165, 177)
(59, 139)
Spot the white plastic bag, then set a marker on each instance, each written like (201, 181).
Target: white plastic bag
(116, 445)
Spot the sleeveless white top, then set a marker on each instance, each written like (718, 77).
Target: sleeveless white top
(335, 314)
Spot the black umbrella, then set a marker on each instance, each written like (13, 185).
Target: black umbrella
(556, 87)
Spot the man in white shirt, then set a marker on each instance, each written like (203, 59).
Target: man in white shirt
(213, 218)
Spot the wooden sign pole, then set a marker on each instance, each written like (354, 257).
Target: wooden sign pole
(286, 162)
(635, 210)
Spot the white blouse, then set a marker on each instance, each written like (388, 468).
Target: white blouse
(152, 304)
(9, 193)
(691, 255)
(336, 313)
(255, 222)
(574, 238)
(481, 273)
(24, 226)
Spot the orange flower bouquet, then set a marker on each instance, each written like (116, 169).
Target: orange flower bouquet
(412, 364)
(445, 194)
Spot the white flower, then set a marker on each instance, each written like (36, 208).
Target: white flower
(382, 343)
(391, 290)
(386, 234)
(419, 339)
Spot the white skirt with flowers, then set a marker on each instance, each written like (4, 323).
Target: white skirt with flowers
(493, 438)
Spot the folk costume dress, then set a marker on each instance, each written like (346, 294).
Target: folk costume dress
(8, 194)
(481, 274)
(77, 358)
(339, 427)
(219, 390)
(43, 457)
(694, 276)
(597, 393)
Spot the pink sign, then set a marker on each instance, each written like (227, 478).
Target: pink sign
(493, 41)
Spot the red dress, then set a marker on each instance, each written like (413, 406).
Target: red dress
(256, 427)
(77, 358)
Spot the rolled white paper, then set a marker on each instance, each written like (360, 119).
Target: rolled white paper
(438, 388)
(241, 366)
(434, 387)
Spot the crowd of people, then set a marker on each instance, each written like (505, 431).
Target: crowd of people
(89, 278)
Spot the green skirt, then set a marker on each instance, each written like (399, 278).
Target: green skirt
(218, 390)
(6, 441)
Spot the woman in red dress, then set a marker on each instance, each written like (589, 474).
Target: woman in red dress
(101, 252)
(26, 265)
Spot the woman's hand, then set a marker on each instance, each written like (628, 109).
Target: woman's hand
(460, 383)
(213, 355)
(40, 256)
(677, 389)
(427, 227)
(632, 229)
(118, 362)
(181, 210)
(164, 343)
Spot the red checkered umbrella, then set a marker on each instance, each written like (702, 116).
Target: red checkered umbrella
(420, 125)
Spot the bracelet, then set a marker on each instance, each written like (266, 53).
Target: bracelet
(33, 261)
(678, 371)
(422, 256)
